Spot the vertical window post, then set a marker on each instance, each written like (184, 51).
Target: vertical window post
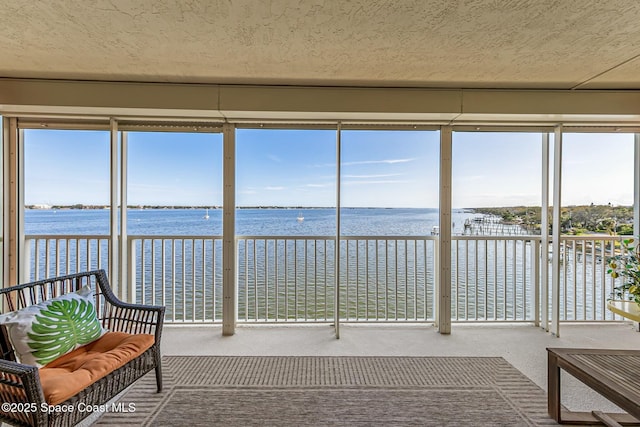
(122, 247)
(636, 185)
(443, 288)
(557, 200)
(18, 208)
(229, 303)
(4, 199)
(338, 231)
(114, 272)
(13, 202)
(544, 234)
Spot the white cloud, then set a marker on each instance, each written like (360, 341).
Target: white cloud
(367, 162)
(385, 175)
(374, 162)
(467, 178)
(319, 185)
(377, 182)
(274, 188)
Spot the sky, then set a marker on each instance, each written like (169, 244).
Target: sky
(298, 168)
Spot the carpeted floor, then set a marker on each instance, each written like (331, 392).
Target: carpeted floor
(299, 391)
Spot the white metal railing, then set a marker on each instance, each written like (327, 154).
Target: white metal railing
(388, 278)
(54, 255)
(584, 283)
(494, 278)
(183, 273)
(285, 278)
(382, 278)
(292, 279)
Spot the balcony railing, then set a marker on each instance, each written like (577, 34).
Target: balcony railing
(494, 278)
(183, 273)
(53, 255)
(289, 279)
(584, 283)
(382, 278)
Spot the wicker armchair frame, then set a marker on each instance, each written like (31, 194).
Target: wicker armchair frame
(20, 384)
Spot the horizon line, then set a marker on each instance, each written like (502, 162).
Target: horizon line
(46, 206)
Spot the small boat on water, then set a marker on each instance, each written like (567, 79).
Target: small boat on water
(206, 214)
(300, 217)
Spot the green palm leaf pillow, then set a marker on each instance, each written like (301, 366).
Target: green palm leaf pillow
(43, 332)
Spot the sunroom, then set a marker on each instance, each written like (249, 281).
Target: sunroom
(456, 262)
(346, 191)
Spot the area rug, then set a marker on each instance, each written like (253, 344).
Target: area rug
(336, 391)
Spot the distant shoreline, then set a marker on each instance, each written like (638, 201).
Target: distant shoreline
(106, 207)
(575, 220)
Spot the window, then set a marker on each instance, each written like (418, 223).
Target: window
(66, 194)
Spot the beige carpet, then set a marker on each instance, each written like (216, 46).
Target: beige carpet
(300, 391)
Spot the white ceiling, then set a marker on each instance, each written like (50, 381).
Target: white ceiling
(519, 44)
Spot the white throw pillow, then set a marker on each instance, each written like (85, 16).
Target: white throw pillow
(45, 331)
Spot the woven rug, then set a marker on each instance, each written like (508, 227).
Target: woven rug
(300, 391)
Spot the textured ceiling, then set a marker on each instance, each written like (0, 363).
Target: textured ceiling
(553, 44)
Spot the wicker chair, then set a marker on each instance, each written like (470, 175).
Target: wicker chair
(20, 384)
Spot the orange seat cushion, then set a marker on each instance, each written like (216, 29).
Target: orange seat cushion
(69, 374)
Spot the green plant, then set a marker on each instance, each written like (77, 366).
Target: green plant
(625, 229)
(63, 326)
(626, 265)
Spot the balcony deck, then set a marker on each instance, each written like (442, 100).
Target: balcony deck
(524, 346)
(387, 285)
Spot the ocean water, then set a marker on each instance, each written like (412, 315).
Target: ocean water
(291, 279)
(277, 279)
(249, 222)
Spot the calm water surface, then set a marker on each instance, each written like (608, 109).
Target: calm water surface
(495, 271)
(185, 222)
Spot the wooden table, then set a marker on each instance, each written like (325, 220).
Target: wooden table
(615, 374)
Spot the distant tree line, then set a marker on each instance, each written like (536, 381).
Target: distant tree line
(573, 219)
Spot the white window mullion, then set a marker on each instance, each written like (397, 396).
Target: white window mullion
(125, 293)
(636, 185)
(229, 296)
(544, 235)
(113, 212)
(338, 232)
(13, 204)
(556, 244)
(443, 287)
